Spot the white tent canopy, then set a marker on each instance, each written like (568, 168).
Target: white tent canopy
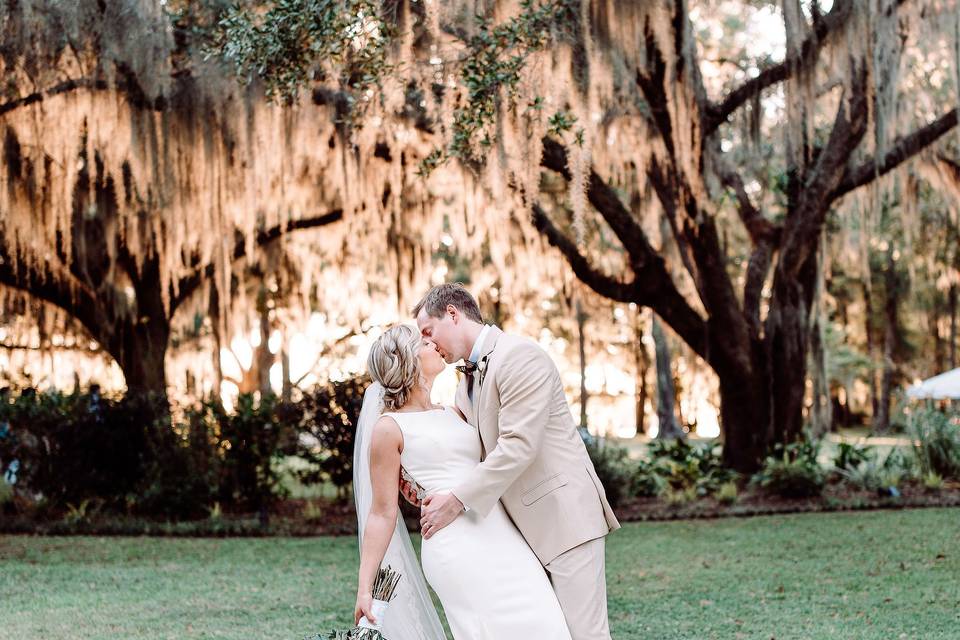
(945, 386)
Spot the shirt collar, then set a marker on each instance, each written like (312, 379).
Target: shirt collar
(475, 352)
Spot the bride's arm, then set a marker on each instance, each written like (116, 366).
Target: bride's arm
(385, 448)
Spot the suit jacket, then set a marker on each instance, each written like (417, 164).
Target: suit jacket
(534, 459)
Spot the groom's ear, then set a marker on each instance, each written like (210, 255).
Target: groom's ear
(454, 313)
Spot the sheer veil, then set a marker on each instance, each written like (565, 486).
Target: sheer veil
(411, 615)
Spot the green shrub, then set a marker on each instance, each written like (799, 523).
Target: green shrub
(126, 455)
(677, 468)
(932, 482)
(680, 497)
(681, 475)
(253, 440)
(613, 467)
(6, 494)
(327, 424)
(869, 474)
(183, 469)
(727, 493)
(312, 512)
(792, 471)
(936, 437)
(83, 512)
(81, 447)
(850, 456)
(648, 480)
(684, 465)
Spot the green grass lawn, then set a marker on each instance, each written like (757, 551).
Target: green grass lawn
(883, 575)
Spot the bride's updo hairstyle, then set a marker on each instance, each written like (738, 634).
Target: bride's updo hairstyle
(394, 364)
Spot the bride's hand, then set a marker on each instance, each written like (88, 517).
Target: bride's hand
(409, 493)
(364, 608)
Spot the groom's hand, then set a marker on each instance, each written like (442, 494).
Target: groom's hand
(438, 510)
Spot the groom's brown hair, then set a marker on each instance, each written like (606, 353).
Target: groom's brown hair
(452, 293)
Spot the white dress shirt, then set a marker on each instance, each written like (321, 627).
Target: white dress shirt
(475, 352)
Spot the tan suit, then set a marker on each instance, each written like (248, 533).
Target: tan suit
(536, 464)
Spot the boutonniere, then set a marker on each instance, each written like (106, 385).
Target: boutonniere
(482, 368)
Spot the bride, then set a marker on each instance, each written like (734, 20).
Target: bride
(489, 581)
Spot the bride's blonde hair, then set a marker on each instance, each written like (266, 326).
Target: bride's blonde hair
(393, 362)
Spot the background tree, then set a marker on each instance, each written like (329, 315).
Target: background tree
(666, 395)
(670, 168)
(757, 340)
(139, 182)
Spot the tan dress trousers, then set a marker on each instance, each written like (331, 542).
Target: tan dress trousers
(581, 587)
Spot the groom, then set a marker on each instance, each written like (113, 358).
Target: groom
(534, 460)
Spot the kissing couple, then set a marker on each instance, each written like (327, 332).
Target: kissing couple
(514, 516)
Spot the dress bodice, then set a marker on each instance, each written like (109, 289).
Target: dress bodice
(489, 580)
(439, 448)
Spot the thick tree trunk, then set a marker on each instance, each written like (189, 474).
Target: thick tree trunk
(139, 340)
(839, 399)
(141, 358)
(214, 310)
(868, 331)
(666, 395)
(641, 363)
(787, 337)
(744, 414)
(821, 411)
(263, 359)
(881, 420)
(582, 341)
(939, 343)
(286, 393)
(952, 297)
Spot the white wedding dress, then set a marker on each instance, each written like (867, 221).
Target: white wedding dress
(489, 581)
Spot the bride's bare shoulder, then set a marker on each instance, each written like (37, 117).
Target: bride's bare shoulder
(387, 431)
(456, 410)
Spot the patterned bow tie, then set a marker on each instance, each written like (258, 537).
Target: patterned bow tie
(468, 368)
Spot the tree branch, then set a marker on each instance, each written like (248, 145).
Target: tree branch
(652, 85)
(757, 267)
(605, 199)
(189, 284)
(764, 234)
(951, 166)
(665, 189)
(50, 286)
(9, 346)
(653, 285)
(717, 114)
(64, 87)
(755, 223)
(603, 284)
(805, 222)
(127, 83)
(324, 353)
(904, 149)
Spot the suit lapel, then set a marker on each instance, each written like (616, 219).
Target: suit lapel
(486, 351)
(463, 402)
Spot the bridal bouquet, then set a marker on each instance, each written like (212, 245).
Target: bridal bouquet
(384, 589)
